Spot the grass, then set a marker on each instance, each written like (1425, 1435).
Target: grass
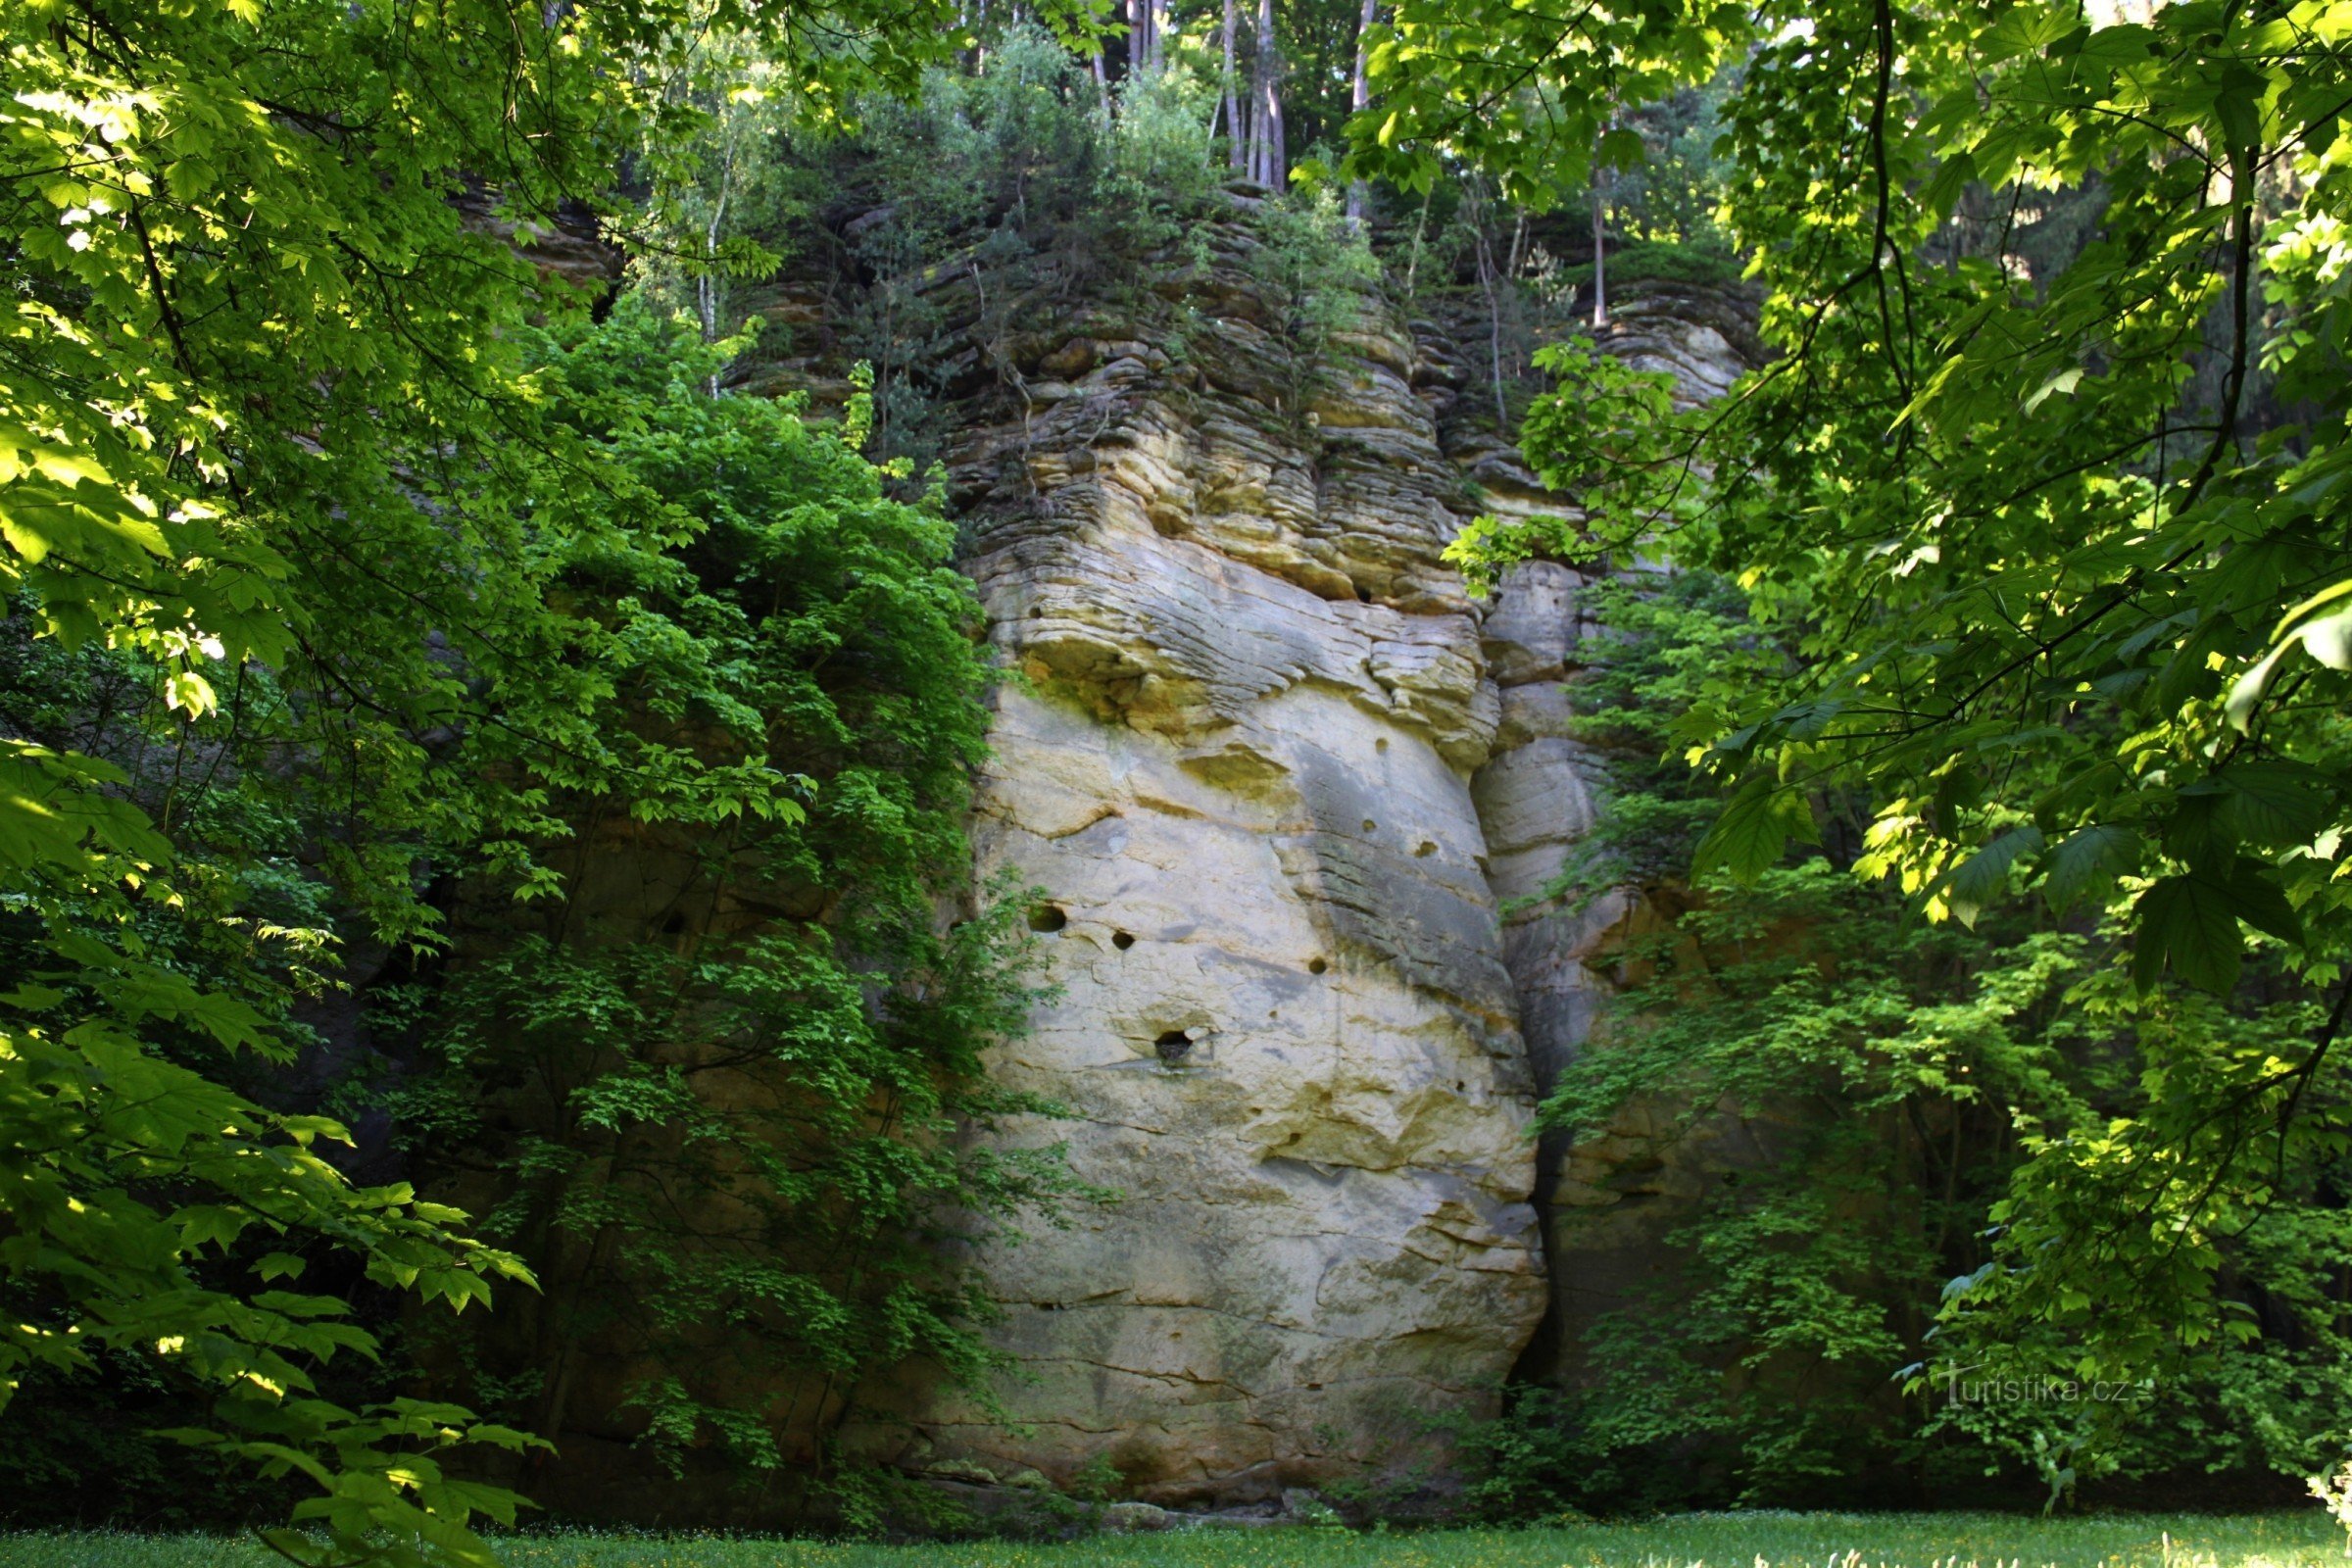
(1764, 1540)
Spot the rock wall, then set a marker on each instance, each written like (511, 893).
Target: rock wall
(1238, 766)
(1273, 776)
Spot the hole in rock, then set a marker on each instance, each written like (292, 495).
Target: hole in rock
(1316, 966)
(1172, 1045)
(1363, 596)
(1046, 917)
(1381, 745)
(675, 925)
(1121, 940)
(1369, 824)
(1424, 850)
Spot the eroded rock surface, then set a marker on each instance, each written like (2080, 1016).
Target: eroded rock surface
(1290, 801)
(1239, 768)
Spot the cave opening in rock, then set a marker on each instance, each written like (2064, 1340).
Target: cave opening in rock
(1046, 917)
(1316, 966)
(1172, 1045)
(1121, 940)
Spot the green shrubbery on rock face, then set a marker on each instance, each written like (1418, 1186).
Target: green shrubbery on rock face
(973, 228)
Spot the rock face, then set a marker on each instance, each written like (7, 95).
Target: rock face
(1239, 768)
(1606, 1202)
(1289, 800)
(1271, 773)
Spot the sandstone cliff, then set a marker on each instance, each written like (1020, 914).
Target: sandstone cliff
(1288, 799)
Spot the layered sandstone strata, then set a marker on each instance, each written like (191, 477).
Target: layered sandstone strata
(1238, 766)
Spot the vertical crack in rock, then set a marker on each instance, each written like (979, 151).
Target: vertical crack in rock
(1538, 796)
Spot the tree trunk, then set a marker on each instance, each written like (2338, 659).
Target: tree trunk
(706, 284)
(1359, 195)
(1270, 159)
(1601, 246)
(1237, 140)
(1489, 282)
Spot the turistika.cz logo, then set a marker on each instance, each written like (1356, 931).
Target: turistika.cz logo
(2035, 1388)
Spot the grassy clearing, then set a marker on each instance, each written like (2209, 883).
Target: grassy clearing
(1765, 1539)
(1688, 1540)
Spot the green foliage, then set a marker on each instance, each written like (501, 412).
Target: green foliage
(1871, 1115)
(1658, 261)
(1527, 94)
(277, 484)
(2044, 493)
(1666, 202)
(1597, 433)
(987, 208)
(1872, 1064)
(721, 1120)
(1524, 1465)
(1317, 274)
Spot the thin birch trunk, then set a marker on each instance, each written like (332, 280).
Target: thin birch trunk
(1600, 248)
(1236, 141)
(706, 285)
(1272, 159)
(1359, 195)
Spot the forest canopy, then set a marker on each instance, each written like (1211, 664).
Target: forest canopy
(384, 542)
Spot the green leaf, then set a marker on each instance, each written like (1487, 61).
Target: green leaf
(2190, 924)
(2262, 903)
(2280, 803)
(1623, 149)
(1755, 827)
(1981, 879)
(2237, 107)
(2086, 861)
